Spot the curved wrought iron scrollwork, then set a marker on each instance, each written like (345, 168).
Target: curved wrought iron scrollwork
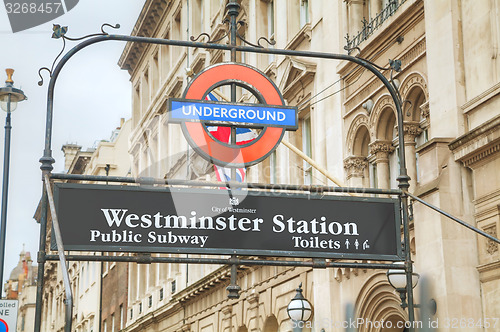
(349, 49)
(59, 32)
(226, 33)
(203, 34)
(209, 38)
(40, 82)
(116, 26)
(270, 42)
(103, 33)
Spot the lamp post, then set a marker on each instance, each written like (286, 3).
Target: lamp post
(299, 309)
(9, 97)
(397, 279)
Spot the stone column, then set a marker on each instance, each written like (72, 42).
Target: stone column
(355, 10)
(253, 312)
(411, 130)
(381, 151)
(226, 318)
(355, 170)
(375, 8)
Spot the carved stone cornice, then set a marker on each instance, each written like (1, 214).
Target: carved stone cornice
(490, 271)
(478, 145)
(381, 150)
(146, 26)
(355, 166)
(304, 34)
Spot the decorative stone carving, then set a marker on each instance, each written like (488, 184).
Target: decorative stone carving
(415, 79)
(227, 310)
(381, 150)
(253, 300)
(346, 273)
(478, 145)
(491, 246)
(411, 129)
(355, 166)
(425, 110)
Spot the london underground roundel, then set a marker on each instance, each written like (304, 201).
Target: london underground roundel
(195, 114)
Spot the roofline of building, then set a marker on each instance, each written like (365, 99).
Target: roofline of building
(145, 26)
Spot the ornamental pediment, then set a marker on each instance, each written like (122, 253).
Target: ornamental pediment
(298, 75)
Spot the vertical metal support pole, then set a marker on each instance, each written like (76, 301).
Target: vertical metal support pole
(233, 10)
(404, 184)
(41, 261)
(47, 161)
(62, 258)
(5, 191)
(408, 261)
(233, 288)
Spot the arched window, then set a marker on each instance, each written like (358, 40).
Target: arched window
(383, 150)
(271, 325)
(355, 165)
(378, 302)
(419, 114)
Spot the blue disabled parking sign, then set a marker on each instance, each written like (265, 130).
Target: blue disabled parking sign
(3, 326)
(8, 315)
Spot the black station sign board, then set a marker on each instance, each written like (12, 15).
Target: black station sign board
(242, 222)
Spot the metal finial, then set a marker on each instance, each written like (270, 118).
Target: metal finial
(9, 72)
(298, 295)
(233, 8)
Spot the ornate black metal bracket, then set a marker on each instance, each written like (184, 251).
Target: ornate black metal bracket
(270, 42)
(60, 32)
(350, 49)
(226, 30)
(210, 41)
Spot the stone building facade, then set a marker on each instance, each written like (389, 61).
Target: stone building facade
(450, 134)
(21, 286)
(90, 281)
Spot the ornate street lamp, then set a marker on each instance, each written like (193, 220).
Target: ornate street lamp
(9, 97)
(397, 279)
(299, 309)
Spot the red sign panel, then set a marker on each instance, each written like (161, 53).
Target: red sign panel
(233, 155)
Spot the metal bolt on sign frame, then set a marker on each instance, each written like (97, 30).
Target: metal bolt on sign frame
(233, 10)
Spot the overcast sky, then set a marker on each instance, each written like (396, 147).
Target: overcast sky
(91, 95)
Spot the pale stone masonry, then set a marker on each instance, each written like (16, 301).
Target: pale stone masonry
(449, 84)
